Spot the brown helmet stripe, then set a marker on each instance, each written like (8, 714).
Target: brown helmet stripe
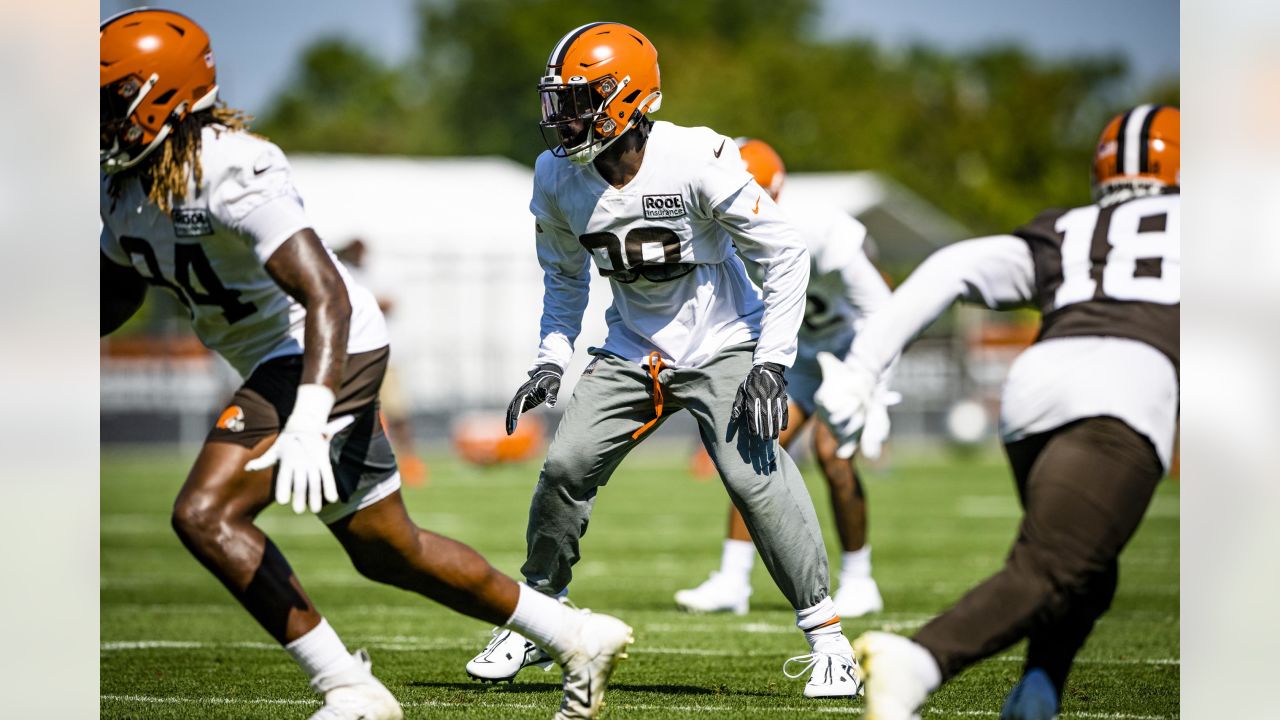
(562, 48)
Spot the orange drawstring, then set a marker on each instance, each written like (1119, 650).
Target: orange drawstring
(655, 367)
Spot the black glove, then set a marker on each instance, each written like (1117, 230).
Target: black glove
(762, 398)
(542, 386)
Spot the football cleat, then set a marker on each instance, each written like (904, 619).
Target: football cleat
(601, 644)
(1033, 698)
(894, 688)
(857, 597)
(506, 654)
(833, 671)
(356, 695)
(716, 594)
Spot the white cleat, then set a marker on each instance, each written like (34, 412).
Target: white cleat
(356, 695)
(716, 594)
(506, 654)
(857, 597)
(895, 689)
(601, 644)
(833, 672)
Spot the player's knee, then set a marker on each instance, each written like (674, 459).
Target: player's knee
(385, 560)
(378, 567)
(197, 521)
(564, 470)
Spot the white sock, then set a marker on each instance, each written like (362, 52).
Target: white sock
(821, 628)
(856, 563)
(544, 620)
(321, 655)
(925, 667)
(737, 559)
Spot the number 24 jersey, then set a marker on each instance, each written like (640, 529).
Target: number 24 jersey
(211, 249)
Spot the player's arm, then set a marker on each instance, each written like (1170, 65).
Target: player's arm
(566, 287)
(764, 236)
(303, 269)
(120, 295)
(996, 271)
(301, 266)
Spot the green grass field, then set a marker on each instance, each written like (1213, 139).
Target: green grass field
(174, 645)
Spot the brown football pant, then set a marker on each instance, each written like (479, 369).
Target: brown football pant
(1084, 488)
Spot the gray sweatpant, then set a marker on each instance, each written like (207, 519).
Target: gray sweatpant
(611, 401)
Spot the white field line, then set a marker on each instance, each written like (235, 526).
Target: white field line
(400, 643)
(618, 706)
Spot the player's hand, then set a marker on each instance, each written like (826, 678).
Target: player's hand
(305, 476)
(762, 399)
(855, 405)
(542, 386)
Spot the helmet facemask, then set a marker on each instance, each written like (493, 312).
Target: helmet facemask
(119, 134)
(578, 100)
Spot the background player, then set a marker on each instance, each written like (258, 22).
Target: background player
(844, 288)
(659, 208)
(193, 204)
(1088, 414)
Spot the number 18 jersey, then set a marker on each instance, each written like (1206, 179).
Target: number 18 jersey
(1110, 271)
(211, 249)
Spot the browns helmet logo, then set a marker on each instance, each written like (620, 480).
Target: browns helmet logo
(231, 419)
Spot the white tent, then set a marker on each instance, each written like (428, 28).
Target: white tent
(451, 243)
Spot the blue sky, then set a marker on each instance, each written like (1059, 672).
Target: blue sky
(256, 41)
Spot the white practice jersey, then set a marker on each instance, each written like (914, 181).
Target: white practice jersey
(210, 251)
(1107, 281)
(691, 202)
(844, 287)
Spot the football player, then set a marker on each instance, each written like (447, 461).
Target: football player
(1087, 417)
(844, 288)
(657, 208)
(193, 204)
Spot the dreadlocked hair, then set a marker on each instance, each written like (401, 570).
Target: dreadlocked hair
(164, 175)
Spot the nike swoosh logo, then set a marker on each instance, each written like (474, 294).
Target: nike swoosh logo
(756, 210)
(717, 151)
(586, 65)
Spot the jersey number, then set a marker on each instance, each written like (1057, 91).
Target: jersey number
(1143, 260)
(634, 246)
(188, 259)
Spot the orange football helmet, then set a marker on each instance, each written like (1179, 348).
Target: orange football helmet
(601, 79)
(156, 67)
(1138, 151)
(764, 164)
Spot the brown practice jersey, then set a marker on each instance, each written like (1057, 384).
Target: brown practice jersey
(1111, 271)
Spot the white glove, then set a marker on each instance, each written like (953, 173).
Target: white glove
(302, 451)
(854, 404)
(876, 428)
